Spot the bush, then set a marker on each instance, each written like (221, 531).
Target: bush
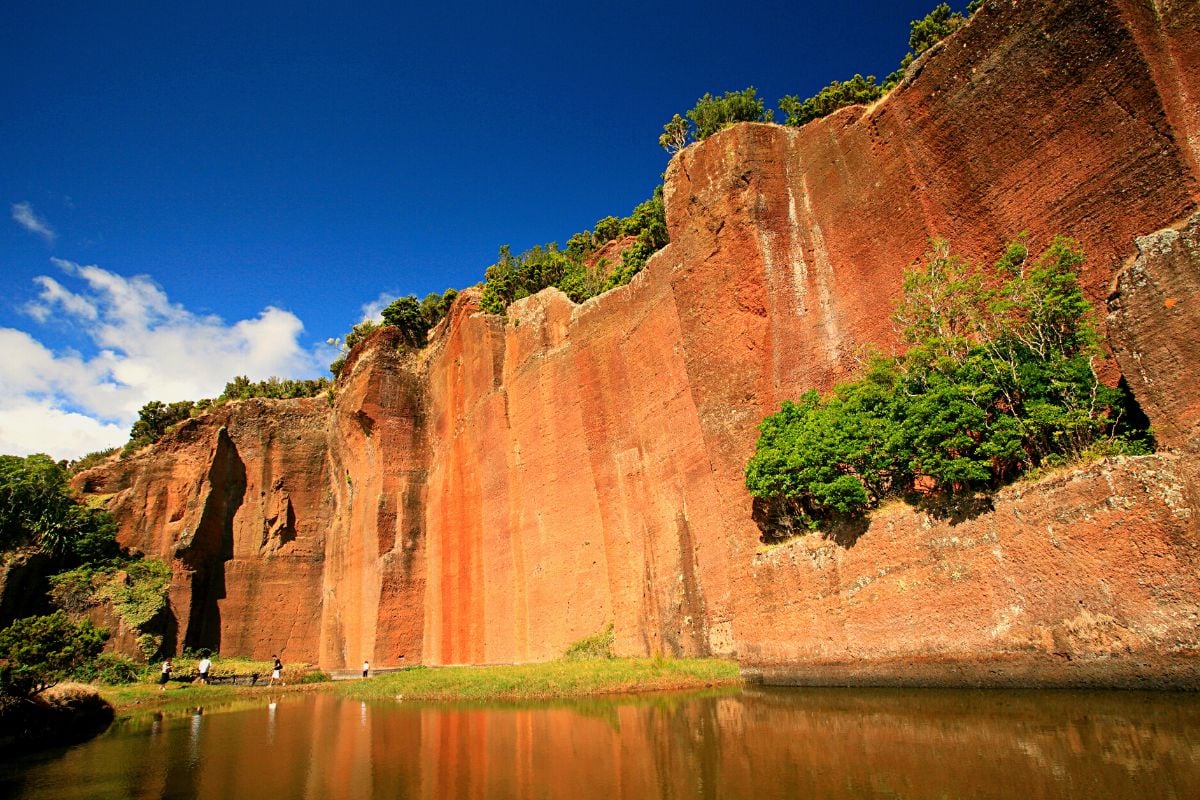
(593, 648)
(315, 676)
(514, 277)
(38, 507)
(997, 381)
(90, 460)
(110, 669)
(38, 652)
(712, 114)
(857, 90)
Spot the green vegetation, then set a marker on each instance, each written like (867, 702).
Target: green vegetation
(38, 652)
(90, 460)
(552, 679)
(997, 381)
(38, 509)
(242, 388)
(136, 589)
(514, 277)
(839, 94)
(109, 669)
(156, 418)
(593, 648)
(413, 318)
(712, 114)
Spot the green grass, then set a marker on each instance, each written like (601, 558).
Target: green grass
(136, 698)
(548, 680)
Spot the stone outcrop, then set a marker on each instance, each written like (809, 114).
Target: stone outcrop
(1154, 316)
(524, 482)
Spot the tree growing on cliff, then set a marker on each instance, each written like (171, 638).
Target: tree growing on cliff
(997, 380)
(38, 508)
(513, 277)
(155, 419)
(924, 33)
(712, 114)
(405, 314)
(839, 94)
(38, 652)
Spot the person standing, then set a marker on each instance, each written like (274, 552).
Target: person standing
(165, 675)
(277, 671)
(366, 668)
(204, 666)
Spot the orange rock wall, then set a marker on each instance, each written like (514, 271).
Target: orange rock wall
(525, 482)
(587, 460)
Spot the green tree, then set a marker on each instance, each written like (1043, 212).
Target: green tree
(38, 507)
(839, 94)
(939, 23)
(38, 652)
(405, 313)
(924, 33)
(712, 114)
(997, 380)
(675, 135)
(155, 419)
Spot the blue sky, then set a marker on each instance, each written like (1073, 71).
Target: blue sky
(191, 193)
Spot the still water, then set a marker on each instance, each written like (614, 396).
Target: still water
(753, 743)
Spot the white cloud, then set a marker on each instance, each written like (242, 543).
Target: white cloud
(25, 216)
(148, 348)
(373, 310)
(39, 427)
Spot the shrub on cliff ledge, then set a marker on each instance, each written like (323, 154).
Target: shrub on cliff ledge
(514, 277)
(38, 508)
(997, 380)
(712, 114)
(38, 652)
(839, 94)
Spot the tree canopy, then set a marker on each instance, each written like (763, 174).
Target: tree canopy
(513, 277)
(997, 381)
(38, 508)
(38, 652)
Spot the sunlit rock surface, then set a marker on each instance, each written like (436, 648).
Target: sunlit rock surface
(522, 483)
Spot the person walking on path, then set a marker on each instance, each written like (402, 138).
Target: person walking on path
(204, 666)
(366, 668)
(277, 671)
(165, 675)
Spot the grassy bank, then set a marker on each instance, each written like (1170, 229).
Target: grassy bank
(146, 695)
(555, 679)
(548, 680)
(136, 698)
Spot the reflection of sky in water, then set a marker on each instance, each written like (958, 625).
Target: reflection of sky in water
(837, 744)
(194, 738)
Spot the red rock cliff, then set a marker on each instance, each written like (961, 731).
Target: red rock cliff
(523, 483)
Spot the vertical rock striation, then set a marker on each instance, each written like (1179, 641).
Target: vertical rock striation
(525, 481)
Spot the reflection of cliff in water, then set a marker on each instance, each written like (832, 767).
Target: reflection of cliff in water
(761, 743)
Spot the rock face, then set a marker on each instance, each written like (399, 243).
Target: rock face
(524, 482)
(1154, 316)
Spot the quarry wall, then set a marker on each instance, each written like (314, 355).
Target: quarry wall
(524, 482)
